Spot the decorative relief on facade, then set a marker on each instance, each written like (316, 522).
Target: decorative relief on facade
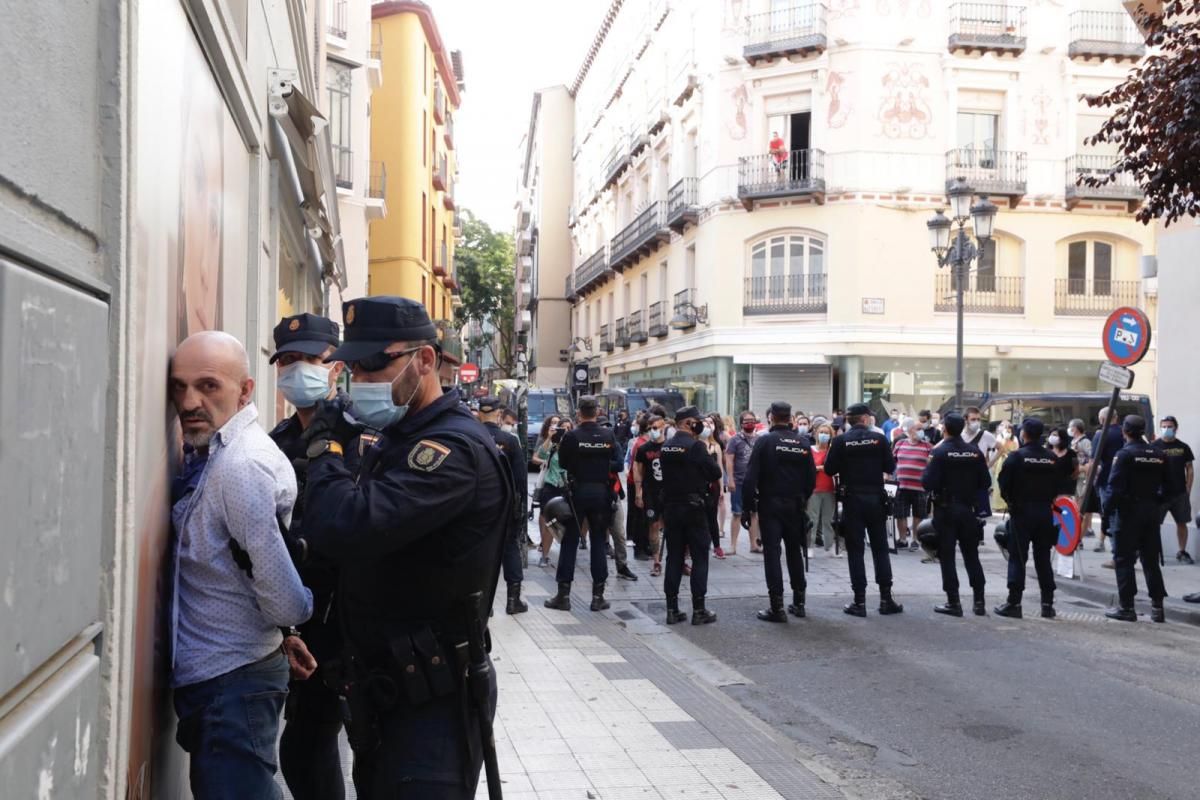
(904, 110)
(1041, 120)
(839, 104)
(737, 123)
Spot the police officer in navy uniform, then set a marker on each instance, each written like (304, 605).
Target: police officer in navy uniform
(956, 477)
(859, 459)
(309, 757)
(491, 410)
(779, 480)
(417, 534)
(1139, 474)
(687, 470)
(1029, 482)
(589, 454)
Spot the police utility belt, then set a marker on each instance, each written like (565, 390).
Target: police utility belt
(419, 666)
(694, 499)
(950, 502)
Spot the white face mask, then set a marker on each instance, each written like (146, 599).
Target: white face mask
(656, 435)
(707, 432)
(973, 426)
(634, 429)
(507, 428)
(303, 384)
(1053, 440)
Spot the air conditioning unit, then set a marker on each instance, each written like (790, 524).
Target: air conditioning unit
(524, 321)
(524, 294)
(524, 215)
(524, 242)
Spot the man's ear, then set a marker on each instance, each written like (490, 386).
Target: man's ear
(247, 392)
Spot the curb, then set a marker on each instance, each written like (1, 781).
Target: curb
(1106, 595)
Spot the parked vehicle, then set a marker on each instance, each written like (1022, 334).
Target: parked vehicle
(634, 400)
(1055, 409)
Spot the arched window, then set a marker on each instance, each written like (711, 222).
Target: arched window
(787, 268)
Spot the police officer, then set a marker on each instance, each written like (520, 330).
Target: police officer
(687, 470)
(859, 459)
(1139, 473)
(308, 749)
(779, 480)
(957, 476)
(417, 534)
(1028, 482)
(491, 411)
(588, 454)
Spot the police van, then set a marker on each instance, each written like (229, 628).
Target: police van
(635, 400)
(1054, 409)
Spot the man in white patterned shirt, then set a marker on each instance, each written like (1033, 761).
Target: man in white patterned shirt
(233, 583)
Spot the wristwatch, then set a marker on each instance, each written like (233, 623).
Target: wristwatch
(320, 446)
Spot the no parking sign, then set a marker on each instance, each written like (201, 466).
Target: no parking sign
(1126, 336)
(1067, 521)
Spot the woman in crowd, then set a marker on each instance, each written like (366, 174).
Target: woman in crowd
(1005, 444)
(1059, 443)
(552, 478)
(822, 504)
(714, 501)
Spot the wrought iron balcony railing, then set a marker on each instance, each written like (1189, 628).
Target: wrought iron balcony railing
(988, 171)
(987, 27)
(786, 174)
(785, 294)
(1105, 34)
(642, 236)
(1092, 298)
(798, 30)
(982, 294)
(682, 204)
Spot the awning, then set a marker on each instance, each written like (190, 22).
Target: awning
(305, 132)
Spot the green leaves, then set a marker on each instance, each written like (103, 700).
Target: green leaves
(484, 271)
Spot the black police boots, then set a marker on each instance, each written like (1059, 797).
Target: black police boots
(858, 607)
(1011, 607)
(1122, 612)
(775, 613)
(624, 573)
(1157, 614)
(700, 614)
(979, 606)
(796, 609)
(673, 613)
(562, 600)
(515, 604)
(887, 605)
(598, 601)
(952, 606)
(1048, 605)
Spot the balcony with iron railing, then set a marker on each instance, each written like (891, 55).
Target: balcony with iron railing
(783, 32)
(639, 238)
(1105, 34)
(685, 314)
(439, 102)
(377, 185)
(440, 175)
(1092, 298)
(637, 333)
(656, 324)
(375, 50)
(618, 160)
(448, 133)
(785, 294)
(606, 343)
(593, 271)
(440, 262)
(338, 14)
(448, 201)
(569, 288)
(987, 28)
(343, 166)
(683, 208)
(622, 333)
(982, 294)
(797, 173)
(1085, 169)
(992, 172)
(450, 338)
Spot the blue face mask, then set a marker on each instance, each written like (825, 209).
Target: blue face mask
(802, 429)
(373, 402)
(1168, 433)
(303, 384)
(823, 438)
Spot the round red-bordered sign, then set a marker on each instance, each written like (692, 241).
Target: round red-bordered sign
(1067, 521)
(1126, 336)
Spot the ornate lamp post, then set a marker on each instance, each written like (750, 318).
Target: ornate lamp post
(960, 253)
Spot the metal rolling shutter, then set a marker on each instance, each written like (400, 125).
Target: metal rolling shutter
(808, 387)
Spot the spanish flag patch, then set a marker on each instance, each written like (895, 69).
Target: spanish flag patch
(427, 455)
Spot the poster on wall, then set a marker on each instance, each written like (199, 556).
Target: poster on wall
(189, 218)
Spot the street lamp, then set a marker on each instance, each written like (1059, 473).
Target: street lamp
(960, 253)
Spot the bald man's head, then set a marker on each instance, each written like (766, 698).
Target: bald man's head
(210, 382)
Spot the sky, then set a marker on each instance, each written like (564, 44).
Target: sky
(510, 49)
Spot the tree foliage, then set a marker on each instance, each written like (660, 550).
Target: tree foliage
(1156, 114)
(484, 263)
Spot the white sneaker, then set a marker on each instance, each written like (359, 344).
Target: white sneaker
(810, 554)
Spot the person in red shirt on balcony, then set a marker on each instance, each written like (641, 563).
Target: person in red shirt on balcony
(778, 151)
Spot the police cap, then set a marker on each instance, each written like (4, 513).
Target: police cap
(780, 410)
(954, 423)
(1134, 425)
(687, 412)
(858, 410)
(489, 404)
(1034, 427)
(307, 334)
(373, 323)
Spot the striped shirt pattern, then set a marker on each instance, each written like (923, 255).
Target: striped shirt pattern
(911, 458)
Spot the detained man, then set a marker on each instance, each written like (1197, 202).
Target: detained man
(233, 582)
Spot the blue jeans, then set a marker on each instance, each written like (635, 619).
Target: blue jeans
(230, 725)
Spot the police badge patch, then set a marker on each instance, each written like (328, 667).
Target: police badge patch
(427, 455)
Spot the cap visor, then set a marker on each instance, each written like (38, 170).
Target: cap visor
(355, 351)
(308, 348)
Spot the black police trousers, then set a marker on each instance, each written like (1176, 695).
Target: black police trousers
(1031, 525)
(421, 752)
(1136, 533)
(862, 517)
(956, 524)
(593, 503)
(781, 524)
(684, 525)
(513, 560)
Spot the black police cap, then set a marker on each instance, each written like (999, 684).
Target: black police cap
(307, 334)
(373, 323)
(780, 410)
(489, 404)
(687, 412)
(1134, 425)
(1034, 427)
(858, 410)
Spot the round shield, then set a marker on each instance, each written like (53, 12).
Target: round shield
(1068, 521)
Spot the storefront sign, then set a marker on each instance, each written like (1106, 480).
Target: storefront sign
(872, 305)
